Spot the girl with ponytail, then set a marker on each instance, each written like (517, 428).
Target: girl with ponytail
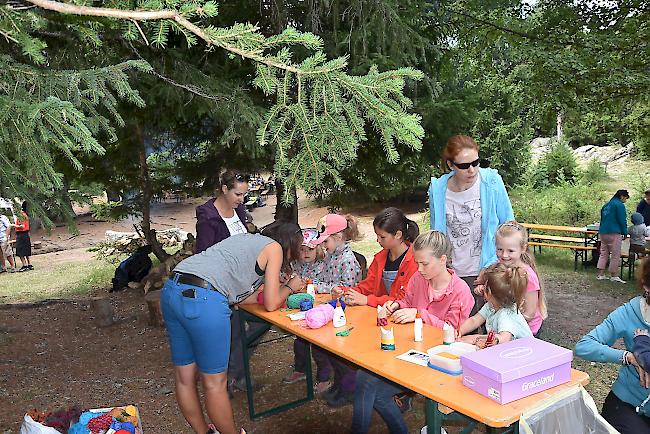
(505, 289)
(391, 268)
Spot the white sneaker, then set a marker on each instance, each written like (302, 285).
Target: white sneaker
(424, 430)
(617, 279)
(602, 277)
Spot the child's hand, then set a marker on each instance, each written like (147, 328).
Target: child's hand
(638, 332)
(402, 316)
(479, 289)
(391, 306)
(354, 298)
(469, 339)
(297, 284)
(337, 292)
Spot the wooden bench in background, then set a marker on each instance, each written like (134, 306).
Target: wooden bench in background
(581, 246)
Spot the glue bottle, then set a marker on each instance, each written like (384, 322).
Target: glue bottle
(417, 328)
(339, 319)
(448, 334)
(310, 288)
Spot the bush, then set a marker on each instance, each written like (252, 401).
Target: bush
(565, 204)
(557, 166)
(594, 172)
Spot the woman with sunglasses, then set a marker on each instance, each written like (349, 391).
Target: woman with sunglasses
(468, 204)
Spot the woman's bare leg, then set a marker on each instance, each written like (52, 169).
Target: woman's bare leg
(217, 402)
(187, 396)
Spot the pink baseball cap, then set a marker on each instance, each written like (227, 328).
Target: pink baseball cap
(329, 225)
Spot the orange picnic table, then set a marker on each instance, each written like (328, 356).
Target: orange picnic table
(362, 347)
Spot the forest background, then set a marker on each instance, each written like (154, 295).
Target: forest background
(346, 99)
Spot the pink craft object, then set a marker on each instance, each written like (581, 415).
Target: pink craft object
(260, 297)
(318, 316)
(382, 322)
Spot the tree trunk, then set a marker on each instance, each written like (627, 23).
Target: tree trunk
(145, 186)
(285, 213)
(103, 311)
(153, 307)
(560, 126)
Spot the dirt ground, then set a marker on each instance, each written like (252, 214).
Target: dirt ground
(54, 356)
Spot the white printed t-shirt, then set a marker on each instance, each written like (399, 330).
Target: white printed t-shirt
(463, 211)
(4, 224)
(234, 225)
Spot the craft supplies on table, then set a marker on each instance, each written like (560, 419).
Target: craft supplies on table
(446, 358)
(516, 369)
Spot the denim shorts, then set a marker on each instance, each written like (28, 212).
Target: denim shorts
(198, 328)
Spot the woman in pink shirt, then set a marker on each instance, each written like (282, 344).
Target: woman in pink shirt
(439, 296)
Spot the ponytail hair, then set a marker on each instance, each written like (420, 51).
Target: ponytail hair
(436, 242)
(512, 228)
(351, 232)
(392, 220)
(507, 284)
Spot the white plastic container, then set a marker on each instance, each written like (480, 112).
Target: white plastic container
(417, 329)
(446, 358)
(339, 319)
(448, 333)
(311, 290)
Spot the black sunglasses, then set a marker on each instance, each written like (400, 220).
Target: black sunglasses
(479, 161)
(242, 178)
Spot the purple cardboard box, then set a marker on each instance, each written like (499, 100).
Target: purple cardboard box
(516, 369)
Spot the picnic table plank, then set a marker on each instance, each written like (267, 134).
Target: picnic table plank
(542, 227)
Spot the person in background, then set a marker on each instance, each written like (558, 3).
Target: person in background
(217, 219)
(23, 241)
(624, 406)
(468, 204)
(224, 215)
(638, 231)
(612, 230)
(643, 208)
(5, 247)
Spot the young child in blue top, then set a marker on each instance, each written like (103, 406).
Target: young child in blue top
(630, 388)
(504, 292)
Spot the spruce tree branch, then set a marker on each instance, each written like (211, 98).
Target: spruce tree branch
(173, 15)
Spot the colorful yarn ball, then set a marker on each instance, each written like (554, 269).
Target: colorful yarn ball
(123, 427)
(319, 316)
(333, 302)
(305, 305)
(293, 301)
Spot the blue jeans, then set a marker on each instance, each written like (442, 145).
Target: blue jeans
(376, 392)
(198, 327)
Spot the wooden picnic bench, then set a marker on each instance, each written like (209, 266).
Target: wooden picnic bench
(580, 245)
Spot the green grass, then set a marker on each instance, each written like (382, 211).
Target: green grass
(63, 281)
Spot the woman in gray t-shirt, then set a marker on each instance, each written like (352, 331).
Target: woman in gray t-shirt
(196, 305)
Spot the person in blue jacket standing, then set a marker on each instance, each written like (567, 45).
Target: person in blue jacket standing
(625, 408)
(468, 204)
(612, 230)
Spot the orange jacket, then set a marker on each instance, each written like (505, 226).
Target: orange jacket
(373, 284)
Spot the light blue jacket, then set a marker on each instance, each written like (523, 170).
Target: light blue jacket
(495, 209)
(596, 347)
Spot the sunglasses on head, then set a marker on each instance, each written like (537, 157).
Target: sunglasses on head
(242, 178)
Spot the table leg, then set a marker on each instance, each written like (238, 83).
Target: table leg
(246, 342)
(433, 417)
